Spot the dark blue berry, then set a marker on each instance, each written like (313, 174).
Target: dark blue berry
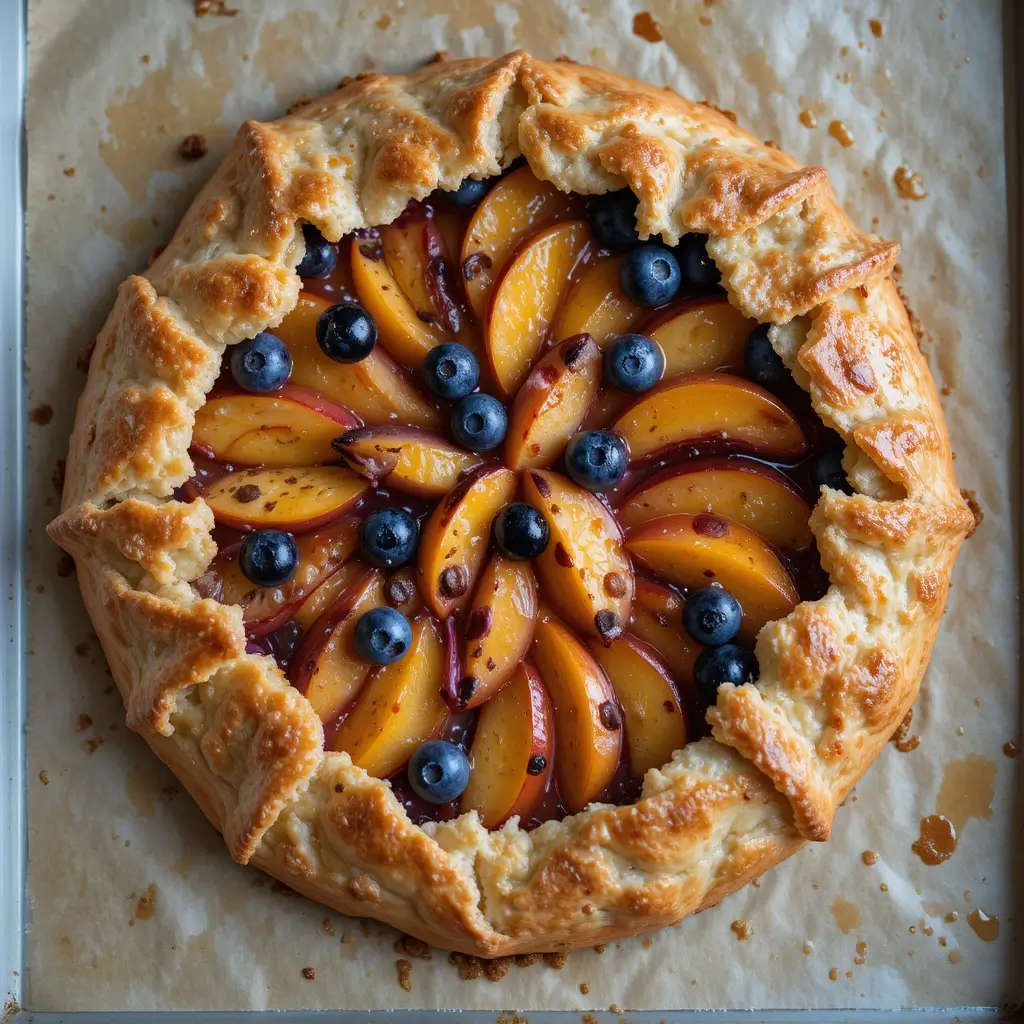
(521, 532)
(388, 538)
(613, 220)
(346, 333)
(479, 422)
(712, 616)
(827, 471)
(698, 269)
(439, 772)
(597, 459)
(268, 558)
(469, 193)
(262, 364)
(650, 275)
(633, 363)
(451, 370)
(320, 258)
(382, 636)
(718, 665)
(764, 364)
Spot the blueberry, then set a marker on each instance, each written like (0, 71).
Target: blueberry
(262, 364)
(827, 471)
(633, 363)
(469, 193)
(479, 422)
(388, 538)
(698, 269)
(597, 459)
(268, 558)
(712, 616)
(650, 275)
(521, 532)
(764, 364)
(725, 664)
(613, 220)
(451, 370)
(439, 771)
(346, 332)
(382, 636)
(321, 257)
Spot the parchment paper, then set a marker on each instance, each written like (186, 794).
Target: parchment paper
(135, 903)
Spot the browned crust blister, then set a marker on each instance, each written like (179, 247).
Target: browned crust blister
(837, 675)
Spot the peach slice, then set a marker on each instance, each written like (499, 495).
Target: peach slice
(655, 720)
(517, 206)
(597, 306)
(588, 723)
(406, 337)
(410, 459)
(299, 500)
(375, 388)
(399, 707)
(526, 298)
(499, 629)
(697, 550)
(551, 405)
(701, 334)
(658, 620)
(749, 493)
(585, 572)
(512, 753)
(326, 667)
(455, 538)
(324, 595)
(321, 553)
(292, 427)
(711, 407)
(606, 408)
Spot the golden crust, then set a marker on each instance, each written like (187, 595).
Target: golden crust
(837, 675)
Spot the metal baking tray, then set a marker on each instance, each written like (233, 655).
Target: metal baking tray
(15, 909)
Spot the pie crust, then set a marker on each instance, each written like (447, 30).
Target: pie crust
(836, 676)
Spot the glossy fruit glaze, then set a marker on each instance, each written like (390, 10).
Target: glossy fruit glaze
(567, 675)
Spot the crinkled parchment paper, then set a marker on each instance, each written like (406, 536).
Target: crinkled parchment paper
(134, 901)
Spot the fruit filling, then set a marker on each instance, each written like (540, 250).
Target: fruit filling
(509, 495)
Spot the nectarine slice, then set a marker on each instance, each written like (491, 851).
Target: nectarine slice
(512, 753)
(658, 621)
(596, 304)
(399, 708)
(701, 334)
(710, 407)
(292, 427)
(499, 628)
(552, 403)
(751, 494)
(455, 538)
(585, 571)
(588, 723)
(284, 499)
(326, 667)
(516, 207)
(655, 721)
(698, 550)
(410, 459)
(324, 595)
(402, 332)
(526, 298)
(375, 388)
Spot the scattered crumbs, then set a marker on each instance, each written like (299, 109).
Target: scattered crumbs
(144, 59)
(91, 746)
(807, 119)
(309, 974)
(528, 959)
(472, 968)
(814, 885)
(383, 22)
(942, 14)
(943, 941)
(951, 917)
(902, 739)
(83, 722)
(193, 147)
(978, 701)
(955, 956)
(584, 989)
(328, 926)
(1011, 749)
(406, 945)
(646, 26)
(218, 8)
(844, 51)
(705, 20)
(647, 942)
(833, 974)
(909, 184)
(973, 504)
(742, 930)
(41, 415)
(808, 947)
(44, 778)
(600, 948)
(945, 391)
(51, 197)
(555, 960)
(862, 953)
(69, 172)
(877, 28)
(982, 172)
(869, 857)
(883, 887)
(146, 907)
(404, 968)
(842, 134)
(912, 929)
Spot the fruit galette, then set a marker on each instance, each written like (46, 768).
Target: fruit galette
(514, 503)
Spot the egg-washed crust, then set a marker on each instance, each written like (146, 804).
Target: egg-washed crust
(837, 675)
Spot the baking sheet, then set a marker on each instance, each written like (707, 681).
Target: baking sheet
(135, 904)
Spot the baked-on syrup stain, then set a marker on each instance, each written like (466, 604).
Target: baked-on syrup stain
(847, 915)
(967, 789)
(985, 926)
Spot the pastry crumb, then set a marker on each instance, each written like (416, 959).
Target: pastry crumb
(646, 26)
(328, 926)
(555, 960)
(909, 184)
(869, 857)
(309, 973)
(976, 510)
(404, 968)
(41, 415)
(416, 948)
(902, 739)
(194, 147)
(584, 989)
(1011, 749)
(218, 8)
(44, 777)
(69, 172)
(91, 746)
(84, 721)
(742, 930)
